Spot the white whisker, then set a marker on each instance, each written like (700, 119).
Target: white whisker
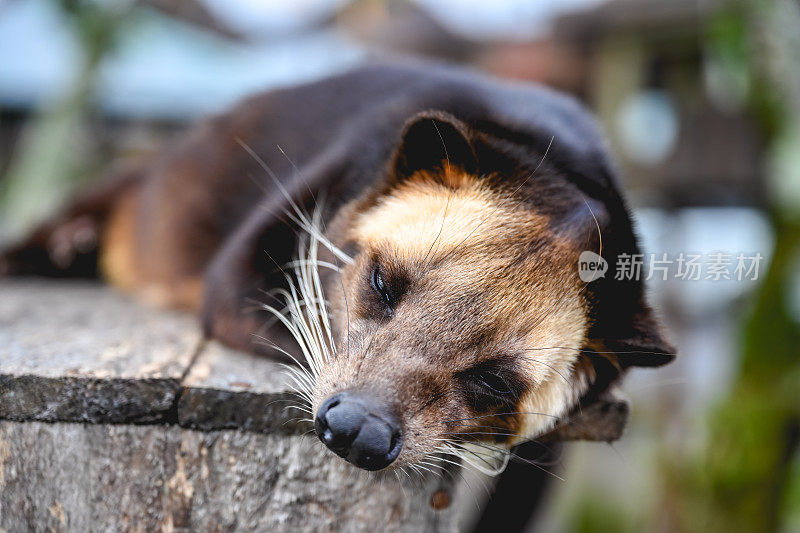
(305, 310)
(296, 214)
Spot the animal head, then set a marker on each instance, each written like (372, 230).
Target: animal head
(457, 317)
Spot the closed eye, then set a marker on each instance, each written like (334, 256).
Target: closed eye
(491, 384)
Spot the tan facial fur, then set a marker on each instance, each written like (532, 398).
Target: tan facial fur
(484, 281)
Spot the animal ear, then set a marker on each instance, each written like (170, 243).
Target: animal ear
(601, 414)
(642, 343)
(623, 323)
(434, 140)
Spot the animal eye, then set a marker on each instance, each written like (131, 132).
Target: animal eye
(491, 385)
(381, 287)
(492, 382)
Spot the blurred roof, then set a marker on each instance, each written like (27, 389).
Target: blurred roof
(403, 27)
(640, 15)
(477, 20)
(176, 59)
(161, 67)
(503, 20)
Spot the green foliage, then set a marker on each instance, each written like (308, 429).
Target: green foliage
(743, 479)
(53, 156)
(594, 514)
(96, 24)
(728, 38)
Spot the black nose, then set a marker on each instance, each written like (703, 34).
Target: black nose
(359, 428)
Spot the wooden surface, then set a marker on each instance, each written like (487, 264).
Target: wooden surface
(84, 330)
(182, 434)
(84, 354)
(75, 477)
(116, 416)
(80, 352)
(226, 389)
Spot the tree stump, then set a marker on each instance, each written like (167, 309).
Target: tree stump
(114, 416)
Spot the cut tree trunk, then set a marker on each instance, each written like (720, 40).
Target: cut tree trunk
(114, 416)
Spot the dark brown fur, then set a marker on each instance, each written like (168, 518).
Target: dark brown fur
(490, 316)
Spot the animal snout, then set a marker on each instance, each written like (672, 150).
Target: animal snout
(359, 428)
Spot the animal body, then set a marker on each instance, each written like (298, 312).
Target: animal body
(436, 295)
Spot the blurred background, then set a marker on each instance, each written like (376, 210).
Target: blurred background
(701, 104)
